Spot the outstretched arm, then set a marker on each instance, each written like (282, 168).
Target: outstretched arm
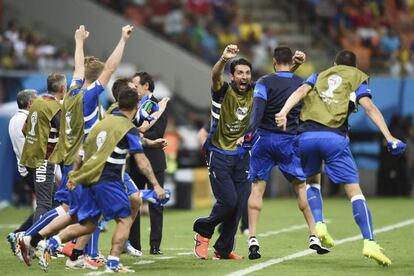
(394, 146)
(376, 117)
(115, 58)
(81, 34)
(293, 100)
(217, 72)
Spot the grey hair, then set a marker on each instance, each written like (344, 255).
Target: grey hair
(55, 82)
(24, 97)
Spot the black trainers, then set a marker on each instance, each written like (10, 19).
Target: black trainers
(254, 249)
(155, 251)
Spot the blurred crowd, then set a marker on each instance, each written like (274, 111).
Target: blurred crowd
(22, 48)
(203, 27)
(381, 32)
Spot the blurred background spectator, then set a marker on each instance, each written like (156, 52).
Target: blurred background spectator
(23, 49)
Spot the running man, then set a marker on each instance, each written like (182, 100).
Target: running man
(273, 146)
(328, 99)
(228, 163)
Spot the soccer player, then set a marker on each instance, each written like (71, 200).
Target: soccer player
(132, 190)
(41, 130)
(24, 100)
(227, 163)
(101, 176)
(202, 136)
(273, 146)
(80, 114)
(328, 99)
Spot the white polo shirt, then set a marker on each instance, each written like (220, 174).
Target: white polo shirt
(17, 138)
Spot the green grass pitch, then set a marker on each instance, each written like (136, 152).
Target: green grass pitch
(278, 214)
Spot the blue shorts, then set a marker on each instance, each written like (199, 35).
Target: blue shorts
(62, 195)
(75, 200)
(333, 149)
(275, 149)
(106, 198)
(131, 188)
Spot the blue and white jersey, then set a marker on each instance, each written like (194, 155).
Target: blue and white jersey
(90, 102)
(130, 143)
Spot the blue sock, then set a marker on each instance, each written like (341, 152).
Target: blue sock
(54, 243)
(44, 220)
(362, 216)
(92, 248)
(112, 261)
(313, 192)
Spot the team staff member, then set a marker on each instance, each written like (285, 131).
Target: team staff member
(24, 100)
(42, 133)
(145, 87)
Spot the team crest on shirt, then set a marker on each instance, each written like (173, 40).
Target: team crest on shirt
(100, 139)
(68, 118)
(334, 81)
(33, 121)
(241, 113)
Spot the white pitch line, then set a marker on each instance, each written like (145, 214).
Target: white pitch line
(185, 253)
(165, 257)
(283, 230)
(144, 262)
(299, 254)
(286, 230)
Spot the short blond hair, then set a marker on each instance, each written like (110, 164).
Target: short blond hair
(93, 68)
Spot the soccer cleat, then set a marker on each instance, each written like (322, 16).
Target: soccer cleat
(132, 251)
(315, 244)
(24, 249)
(323, 235)
(67, 249)
(201, 247)
(81, 263)
(118, 269)
(99, 260)
(372, 250)
(43, 254)
(231, 256)
(11, 238)
(17, 249)
(254, 249)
